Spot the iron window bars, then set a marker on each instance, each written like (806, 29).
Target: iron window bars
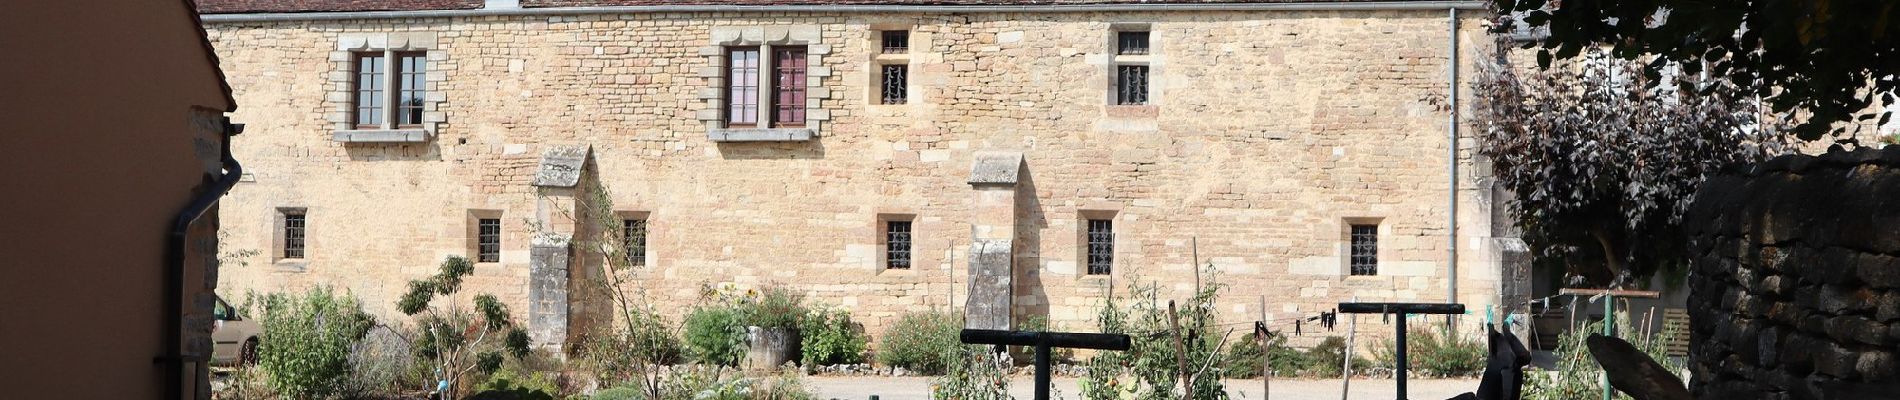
(1131, 42)
(1101, 238)
(896, 83)
(1131, 84)
(1365, 250)
(488, 240)
(896, 42)
(293, 235)
(635, 233)
(897, 244)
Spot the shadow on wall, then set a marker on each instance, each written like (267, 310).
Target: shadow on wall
(813, 149)
(1031, 295)
(427, 151)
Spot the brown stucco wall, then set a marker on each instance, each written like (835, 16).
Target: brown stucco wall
(100, 152)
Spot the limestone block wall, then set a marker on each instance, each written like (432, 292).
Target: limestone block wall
(1795, 286)
(1268, 133)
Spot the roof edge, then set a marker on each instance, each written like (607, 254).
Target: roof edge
(211, 53)
(1299, 6)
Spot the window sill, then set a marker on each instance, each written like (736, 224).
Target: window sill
(293, 265)
(1132, 111)
(759, 134)
(407, 135)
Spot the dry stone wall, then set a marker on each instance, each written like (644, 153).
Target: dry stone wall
(1269, 131)
(1795, 289)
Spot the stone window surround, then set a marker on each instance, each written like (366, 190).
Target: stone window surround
(473, 233)
(651, 230)
(1153, 60)
(713, 93)
(1082, 217)
(876, 59)
(1344, 237)
(342, 99)
(916, 253)
(277, 239)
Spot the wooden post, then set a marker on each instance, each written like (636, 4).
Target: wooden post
(1180, 353)
(1194, 244)
(1352, 328)
(1266, 355)
(951, 307)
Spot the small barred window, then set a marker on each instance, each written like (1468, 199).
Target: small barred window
(488, 240)
(1131, 42)
(896, 83)
(896, 42)
(635, 234)
(897, 244)
(293, 235)
(1365, 250)
(1101, 254)
(1131, 85)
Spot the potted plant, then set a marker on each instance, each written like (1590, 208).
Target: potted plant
(772, 316)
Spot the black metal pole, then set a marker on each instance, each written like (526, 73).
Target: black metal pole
(1401, 356)
(1042, 372)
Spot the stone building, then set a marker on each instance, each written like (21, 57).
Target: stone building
(863, 152)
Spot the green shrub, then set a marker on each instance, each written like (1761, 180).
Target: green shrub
(772, 307)
(307, 340)
(703, 382)
(1433, 352)
(1321, 361)
(715, 336)
(829, 337)
(383, 362)
(1151, 368)
(1577, 372)
(619, 357)
(620, 393)
(974, 373)
(921, 341)
(456, 342)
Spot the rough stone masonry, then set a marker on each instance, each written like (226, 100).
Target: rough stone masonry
(1265, 135)
(1795, 284)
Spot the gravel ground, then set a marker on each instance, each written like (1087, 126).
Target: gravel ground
(906, 388)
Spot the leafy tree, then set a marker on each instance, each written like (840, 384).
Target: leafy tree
(1812, 57)
(1600, 162)
(459, 342)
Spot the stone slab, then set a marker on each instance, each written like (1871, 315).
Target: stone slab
(561, 166)
(991, 289)
(996, 167)
(758, 134)
(547, 295)
(380, 136)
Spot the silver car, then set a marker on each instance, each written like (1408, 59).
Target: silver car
(233, 338)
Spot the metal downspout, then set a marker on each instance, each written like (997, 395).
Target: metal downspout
(1451, 253)
(174, 360)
